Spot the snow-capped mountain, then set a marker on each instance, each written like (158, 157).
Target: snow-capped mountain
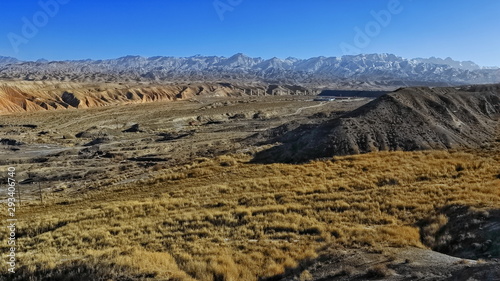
(382, 69)
(467, 65)
(7, 60)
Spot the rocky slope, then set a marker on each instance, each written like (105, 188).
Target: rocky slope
(393, 265)
(359, 72)
(407, 119)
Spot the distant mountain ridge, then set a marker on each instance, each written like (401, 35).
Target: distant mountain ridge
(356, 71)
(467, 65)
(8, 60)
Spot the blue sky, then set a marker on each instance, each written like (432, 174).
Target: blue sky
(98, 29)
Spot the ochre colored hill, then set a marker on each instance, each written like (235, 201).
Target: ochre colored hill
(21, 96)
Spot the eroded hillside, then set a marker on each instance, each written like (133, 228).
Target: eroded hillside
(407, 119)
(21, 96)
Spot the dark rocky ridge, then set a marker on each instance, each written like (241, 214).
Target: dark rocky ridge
(406, 119)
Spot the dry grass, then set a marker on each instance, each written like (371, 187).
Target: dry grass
(226, 219)
(379, 271)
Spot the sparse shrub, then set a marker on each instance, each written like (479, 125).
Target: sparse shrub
(379, 271)
(224, 268)
(431, 229)
(174, 176)
(423, 178)
(158, 167)
(418, 275)
(222, 188)
(227, 161)
(463, 261)
(347, 270)
(387, 181)
(459, 168)
(306, 276)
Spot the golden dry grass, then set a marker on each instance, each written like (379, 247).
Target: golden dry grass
(227, 219)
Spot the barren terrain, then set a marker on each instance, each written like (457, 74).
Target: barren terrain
(174, 191)
(76, 149)
(407, 119)
(30, 96)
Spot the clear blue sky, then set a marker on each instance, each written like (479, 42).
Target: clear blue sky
(100, 29)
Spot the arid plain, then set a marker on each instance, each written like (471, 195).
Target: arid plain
(173, 190)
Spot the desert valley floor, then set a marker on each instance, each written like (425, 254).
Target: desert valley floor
(215, 189)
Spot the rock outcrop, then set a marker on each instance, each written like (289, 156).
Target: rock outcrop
(407, 119)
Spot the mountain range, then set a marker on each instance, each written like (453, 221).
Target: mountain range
(355, 71)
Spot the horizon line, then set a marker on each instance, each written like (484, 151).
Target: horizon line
(239, 53)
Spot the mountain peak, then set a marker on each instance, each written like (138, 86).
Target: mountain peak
(239, 55)
(367, 70)
(464, 65)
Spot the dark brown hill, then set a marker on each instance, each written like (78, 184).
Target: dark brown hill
(407, 119)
